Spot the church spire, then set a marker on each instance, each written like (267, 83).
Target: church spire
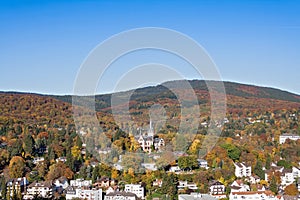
(150, 131)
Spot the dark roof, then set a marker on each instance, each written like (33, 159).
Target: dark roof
(235, 187)
(41, 184)
(216, 183)
(125, 194)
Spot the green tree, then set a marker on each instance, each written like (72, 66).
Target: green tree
(268, 162)
(28, 144)
(95, 173)
(284, 164)
(187, 162)
(258, 170)
(3, 187)
(233, 151)
(169, 185)
(273, 185)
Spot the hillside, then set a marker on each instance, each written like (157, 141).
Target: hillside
(52, 109)
(239, 96)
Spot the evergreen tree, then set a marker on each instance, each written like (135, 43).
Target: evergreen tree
(28, 144)
(169, 185)
(3, 187)
(268, 162)
(273, 185)
(258, 170)
(95, 173)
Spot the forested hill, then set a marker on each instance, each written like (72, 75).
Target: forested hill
(46, 109)
(239, 95)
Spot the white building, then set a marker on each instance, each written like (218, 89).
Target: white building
(17, 185)
(285, 136)
(185, 184)
(287, 177)
(239, 186)
(38, 160)
(196, 196)
(216, 188)
(149, 142)
(120, 196)
(175, 169)
(135, 189)
(253, 179)
(61, 182)
(40, 189)
(296, 172)
(93, 194)
(202, 163)
(263, 195)
(242, 170)
(81, 183)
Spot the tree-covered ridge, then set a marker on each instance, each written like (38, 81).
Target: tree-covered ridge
(34, 108)
(237, 90)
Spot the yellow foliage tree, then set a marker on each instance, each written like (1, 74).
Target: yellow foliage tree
(16, 167)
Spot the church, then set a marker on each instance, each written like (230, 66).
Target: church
(149, 142)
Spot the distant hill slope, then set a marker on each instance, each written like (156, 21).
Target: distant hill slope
(37, 108)
(233, 91)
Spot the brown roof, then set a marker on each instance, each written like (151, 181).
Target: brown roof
(267, 192)
(41, 184)
(125, 194)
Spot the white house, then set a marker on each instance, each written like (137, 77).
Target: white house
(61, 182)
(174, 169)
(93, 194)
(196, 196)
(80, 183)
(216, 188)
(263, 195)
(135, 189)
(38, 160)
(239, 186)
(287, 177)
(16, 184)
(296, 172)
(185, 184)
(41, 189)
(61, 159)
(202, 163)
(149, 141)
(111, 189)
(253, 179)
(120, 196)
(242, 170)
(285, 136)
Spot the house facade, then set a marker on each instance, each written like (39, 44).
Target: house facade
(17, 186)
(216, 188)
(88, 194)
(135, 189)
(285, 136)
(42, 189)
(242, 170)
(120, 196)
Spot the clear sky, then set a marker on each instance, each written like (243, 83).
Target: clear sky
(43, 42)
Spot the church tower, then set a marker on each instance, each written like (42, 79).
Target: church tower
(151, 131)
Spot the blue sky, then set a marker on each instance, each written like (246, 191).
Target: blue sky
(43, 43)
